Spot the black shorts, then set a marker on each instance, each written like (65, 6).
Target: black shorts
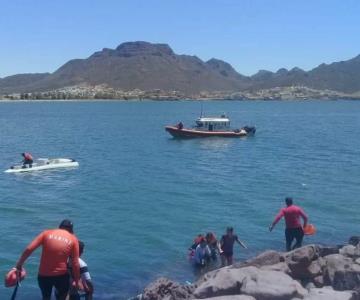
(61, 284)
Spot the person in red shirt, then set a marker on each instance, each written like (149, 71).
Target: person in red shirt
(294, 229)
(28, 159)
(58, 246)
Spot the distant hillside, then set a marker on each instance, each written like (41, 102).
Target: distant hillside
(146, 66)
(341, 76)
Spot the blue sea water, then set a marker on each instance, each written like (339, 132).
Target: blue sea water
(139, 196)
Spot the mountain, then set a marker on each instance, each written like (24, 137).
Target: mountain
(144, 66)
(341, 76)
(147, 66)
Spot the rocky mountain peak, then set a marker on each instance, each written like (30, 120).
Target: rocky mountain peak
(143, 48)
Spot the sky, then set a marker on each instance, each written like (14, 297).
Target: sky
(41, 35)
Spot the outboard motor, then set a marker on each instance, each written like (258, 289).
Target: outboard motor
(250, 129)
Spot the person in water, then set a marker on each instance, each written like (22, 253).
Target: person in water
(227, 246)
(293, 228)
(28, 159)
(87, 287)
(213, 245)
(202, 254)
(58, 246)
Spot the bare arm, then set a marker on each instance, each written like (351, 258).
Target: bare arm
(30, 249)
(304, 216)
(276, 220)
(241, 243)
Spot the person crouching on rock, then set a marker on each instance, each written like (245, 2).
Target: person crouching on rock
(202, 254)
(227, 246)
(293, 230)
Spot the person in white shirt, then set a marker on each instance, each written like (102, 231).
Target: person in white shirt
(87, 288)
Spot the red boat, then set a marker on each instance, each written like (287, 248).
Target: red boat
(209, 127)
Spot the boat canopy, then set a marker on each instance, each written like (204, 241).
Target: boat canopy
(213, 123)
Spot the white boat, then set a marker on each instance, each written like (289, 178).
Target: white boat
(44, 164)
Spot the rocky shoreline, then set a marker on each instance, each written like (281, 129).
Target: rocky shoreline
(100, 92)
(313, 272)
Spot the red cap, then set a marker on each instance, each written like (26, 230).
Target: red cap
(11, 277)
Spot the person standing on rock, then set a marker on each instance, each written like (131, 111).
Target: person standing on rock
(293, 230)
(227, 246)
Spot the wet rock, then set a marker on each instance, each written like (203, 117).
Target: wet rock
(329, 294)
(341, 272)
(318, 281)
(165, 289)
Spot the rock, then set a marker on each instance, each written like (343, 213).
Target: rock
(165, 289)
(251, 281)
(327, 250)
(329, 294)
(222, 282)
(280, 267)
(318, 281)
(300, 262)
(354, 240)
(232, 297)
(350, 251)
(266, 258)
(341, 272)
(271, 285)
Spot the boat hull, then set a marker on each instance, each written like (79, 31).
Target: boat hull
(192, 133)
(47, 165)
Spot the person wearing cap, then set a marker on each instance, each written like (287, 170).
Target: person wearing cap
(58, 246)
(293, 227)
(227, 246)
(28, 159)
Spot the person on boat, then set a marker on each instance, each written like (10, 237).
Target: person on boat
(28, 159)
(202, 254)
(213, 244)
(87, 288)
(293, 228)
(180, 125)
(58, 246)
(227, 246)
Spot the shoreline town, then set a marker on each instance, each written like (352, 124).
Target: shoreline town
(103, 92)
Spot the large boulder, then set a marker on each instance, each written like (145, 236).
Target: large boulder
(222, 282)
(267, 258)
(271, 285)
(251, 281)
(350, 251)
(341, 272)
(299, 261)
(165, 289)
(329, 294)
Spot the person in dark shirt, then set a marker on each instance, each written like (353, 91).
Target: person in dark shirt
(227, 246)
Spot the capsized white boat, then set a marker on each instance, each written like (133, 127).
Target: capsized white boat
(44, 164)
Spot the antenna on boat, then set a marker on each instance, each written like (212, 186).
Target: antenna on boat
(201, 112)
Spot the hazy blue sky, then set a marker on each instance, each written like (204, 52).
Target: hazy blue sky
(41, 35)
